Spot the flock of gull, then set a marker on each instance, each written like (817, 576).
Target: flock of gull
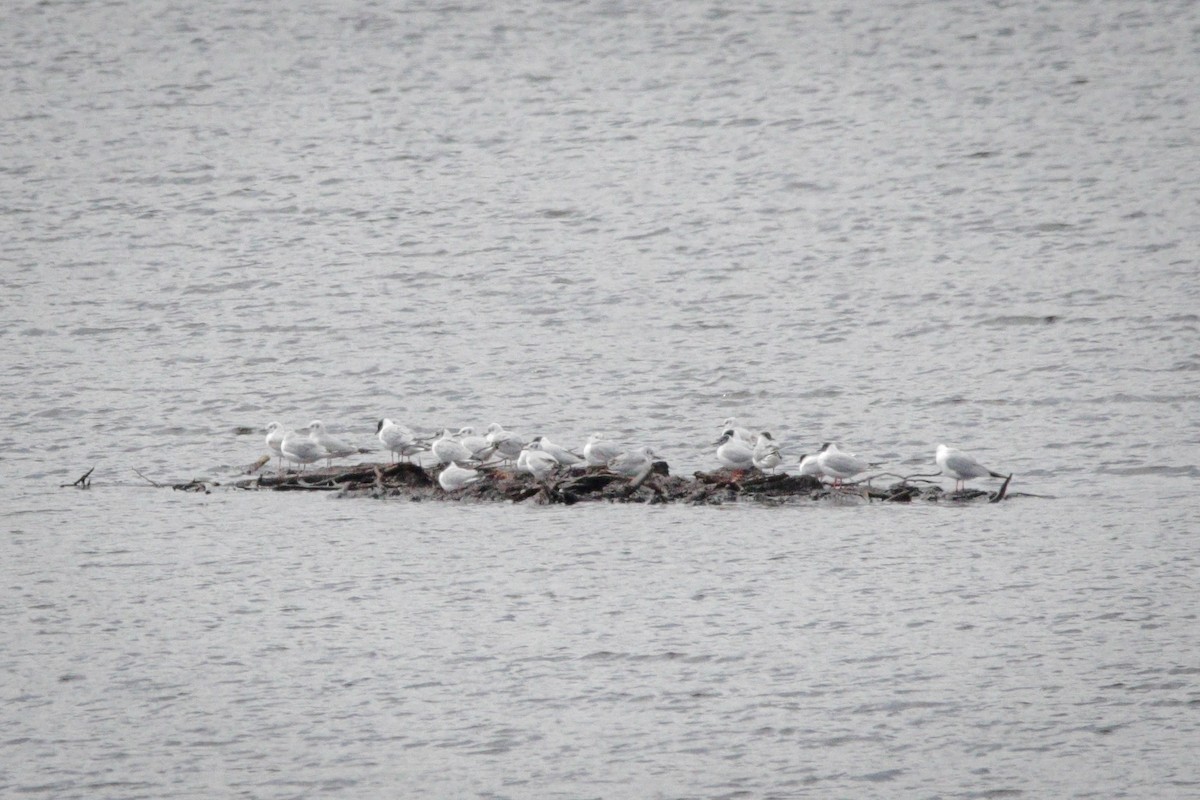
(464, 454)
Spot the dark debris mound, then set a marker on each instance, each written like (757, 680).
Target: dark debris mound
(506, 484)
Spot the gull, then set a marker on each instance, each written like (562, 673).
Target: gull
(275, 434)
(448, 450)
(334, 447)
(506, 443)
(560, 454)
(732, 452)
(298, 447)
(536, 462)
(766, 453)
(599, 451)
(398, 439)
(960, 466)
(455, 476)
(478, 445)
(741, 433)
(810, 465)
(838, 465)
(634, 463)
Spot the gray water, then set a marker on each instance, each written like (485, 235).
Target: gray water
(883, 224)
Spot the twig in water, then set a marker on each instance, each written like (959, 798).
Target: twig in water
(257, 465)
(1003, 490)
(84, 481)
(155, 484)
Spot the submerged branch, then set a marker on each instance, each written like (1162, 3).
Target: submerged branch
(84, 481)
(155, 484)
(1003, 491)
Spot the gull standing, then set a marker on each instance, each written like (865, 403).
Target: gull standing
(838, 465)
(536, 462)
(455, 477)
(299, 448)
(506, 443)
(960, 466)
(275, 434)
(334, 447)
(478, 445)
(766, 453)
(730, 424)
(599, 451)
(447, 450)
(560, 454)
(732, 452)
(810, 465)
(398, 439)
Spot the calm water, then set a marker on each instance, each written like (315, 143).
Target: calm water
(887, 225)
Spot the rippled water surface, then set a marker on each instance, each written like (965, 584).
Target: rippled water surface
(884, 224)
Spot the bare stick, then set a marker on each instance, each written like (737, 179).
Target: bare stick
(155, 484)
(257, 465)
(83, 482)
(1003, 490)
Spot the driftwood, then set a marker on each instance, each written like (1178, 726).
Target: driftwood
(195, 485)
(83, 482)
(569, 486)
(257, 465)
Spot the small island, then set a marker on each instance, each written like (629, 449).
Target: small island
(413, 482)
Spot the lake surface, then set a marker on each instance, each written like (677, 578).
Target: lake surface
(887, 225)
